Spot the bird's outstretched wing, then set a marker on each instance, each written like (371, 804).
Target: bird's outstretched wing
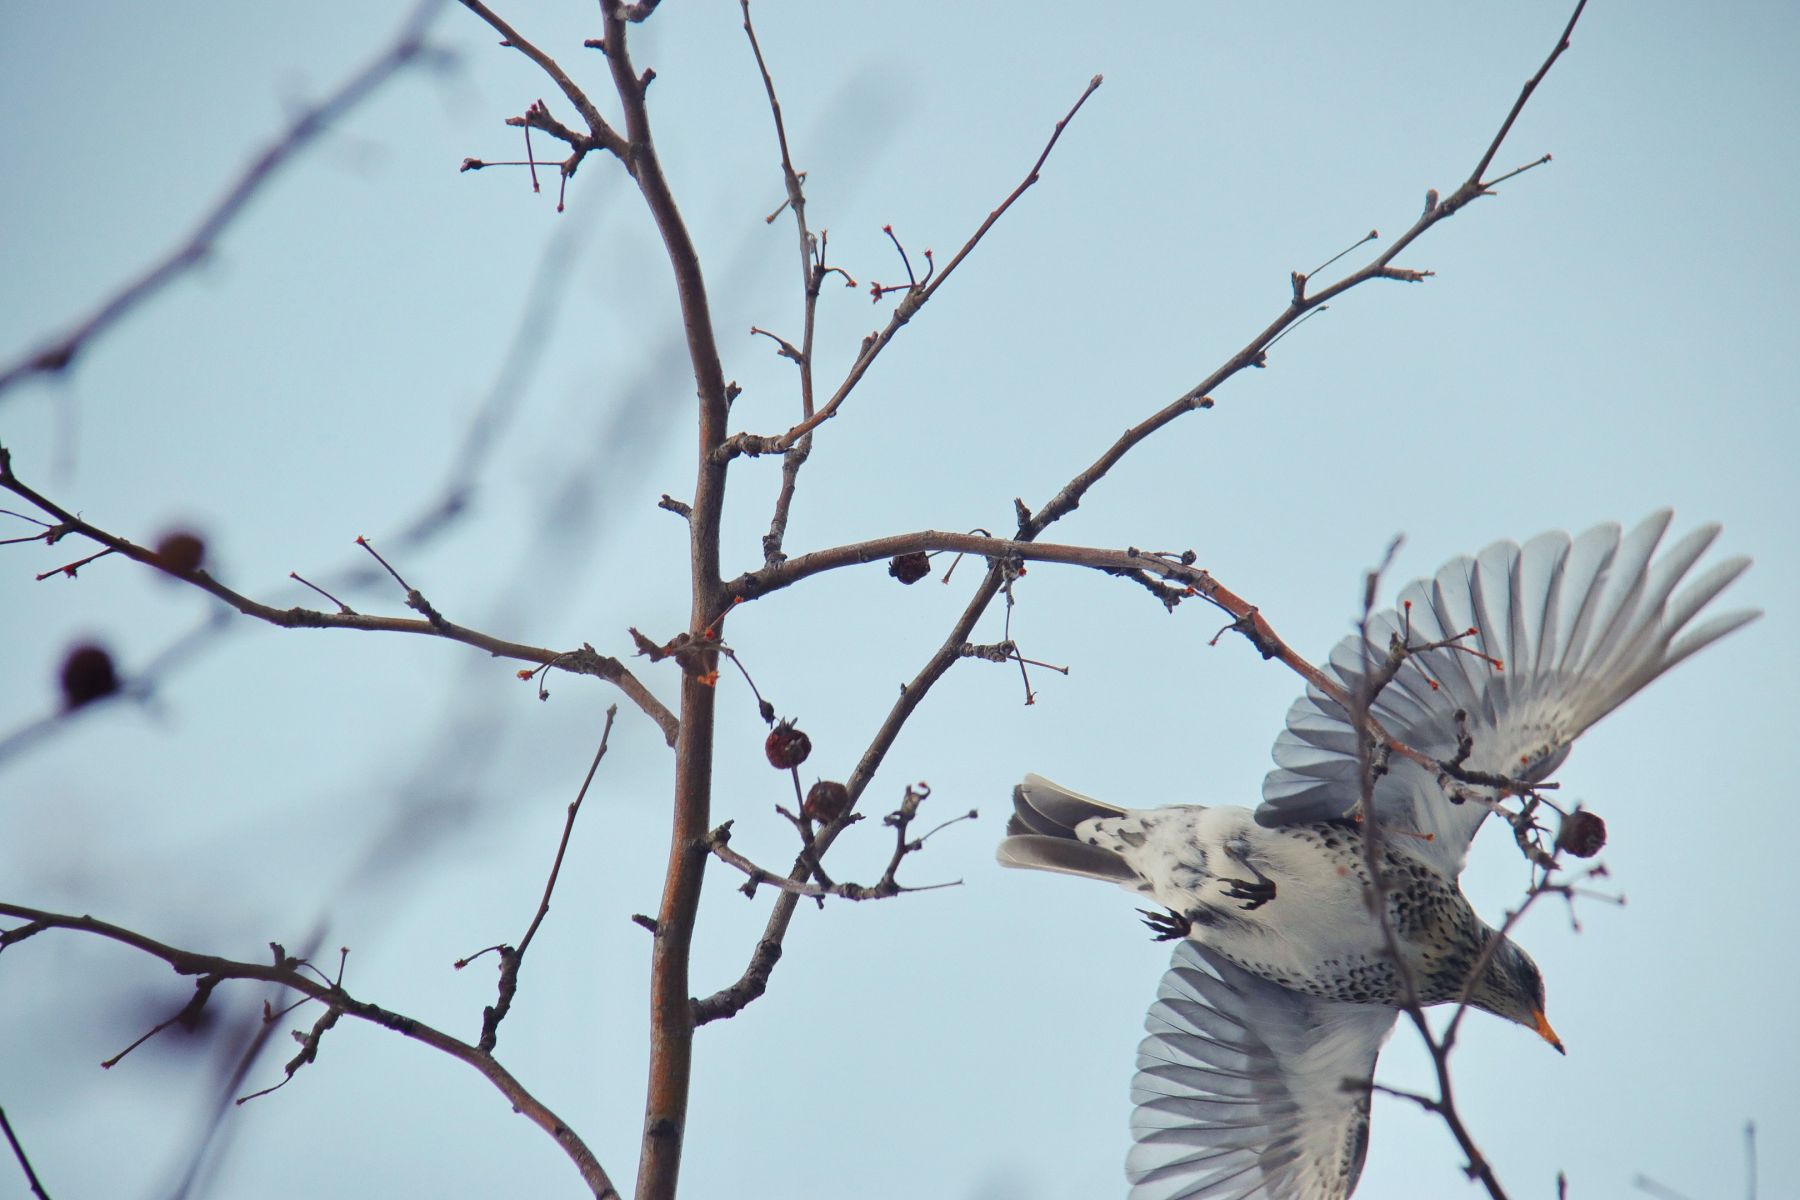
(1241, 1088)
(1564, 631)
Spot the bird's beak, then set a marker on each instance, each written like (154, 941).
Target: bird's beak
(1544, 1031)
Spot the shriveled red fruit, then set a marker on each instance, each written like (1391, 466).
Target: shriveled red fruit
(87, 675)
(909, 568)
(826, 801)
(1582, 834)
(181, 551)
(786, 746)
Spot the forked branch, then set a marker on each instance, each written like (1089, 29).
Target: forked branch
(914, 299)
(297, 976)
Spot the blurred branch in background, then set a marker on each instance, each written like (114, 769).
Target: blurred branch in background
(407, 49)
(436, 516)
(1651, 1187)
(300, 976)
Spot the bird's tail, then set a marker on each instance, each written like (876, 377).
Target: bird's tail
(1041, 834)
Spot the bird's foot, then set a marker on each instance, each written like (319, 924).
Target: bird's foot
(1168, 926)
(1255, 895)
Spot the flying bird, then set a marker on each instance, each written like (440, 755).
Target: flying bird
(1282, 989)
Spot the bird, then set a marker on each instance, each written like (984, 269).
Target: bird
(1255, 1076)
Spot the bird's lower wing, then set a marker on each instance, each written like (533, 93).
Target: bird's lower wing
(1247, 1090)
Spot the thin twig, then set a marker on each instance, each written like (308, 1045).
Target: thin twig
(1531, 85)
(604, 135)
(12, 1139)
(812, 278)
(745, 443)
(189, 1014)
(1254, 353)
(718, 843)
(1362, 699)
(68, 570)
(342, 607)
(512, 958)
(562, 846)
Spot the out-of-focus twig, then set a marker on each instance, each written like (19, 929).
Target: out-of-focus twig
(56, 353)
(583, 661)
(295, 975)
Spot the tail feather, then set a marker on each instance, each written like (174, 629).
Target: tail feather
(1041, 833)
(1040, 806)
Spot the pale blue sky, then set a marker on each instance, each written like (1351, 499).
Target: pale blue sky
(1608, 335)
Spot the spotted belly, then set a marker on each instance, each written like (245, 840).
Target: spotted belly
(1290, 904)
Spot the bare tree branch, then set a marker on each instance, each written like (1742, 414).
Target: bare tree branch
(672, 1022)
(812, 279)
(915, 298)
(1562, 44)
(603, 135)
(718, 842)
(583, 661)
(291, 973)
(512, 958)
(12, 1139)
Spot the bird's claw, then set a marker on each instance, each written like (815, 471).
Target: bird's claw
(1168, 926)
(1255, 894)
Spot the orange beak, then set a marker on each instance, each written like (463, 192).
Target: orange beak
(1548, 1034)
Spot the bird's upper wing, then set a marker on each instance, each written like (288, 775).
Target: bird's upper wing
(1564, 632)
(1241, 1088)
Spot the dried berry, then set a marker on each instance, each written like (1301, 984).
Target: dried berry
(181, 551)
(826, 801)
(1581, 834)
(87, 675)
(910, 568)
(786, 746)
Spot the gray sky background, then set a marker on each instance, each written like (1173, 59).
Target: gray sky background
(1610, 334)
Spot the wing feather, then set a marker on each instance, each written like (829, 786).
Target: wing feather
(1240, 1092)
(1564, 631)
